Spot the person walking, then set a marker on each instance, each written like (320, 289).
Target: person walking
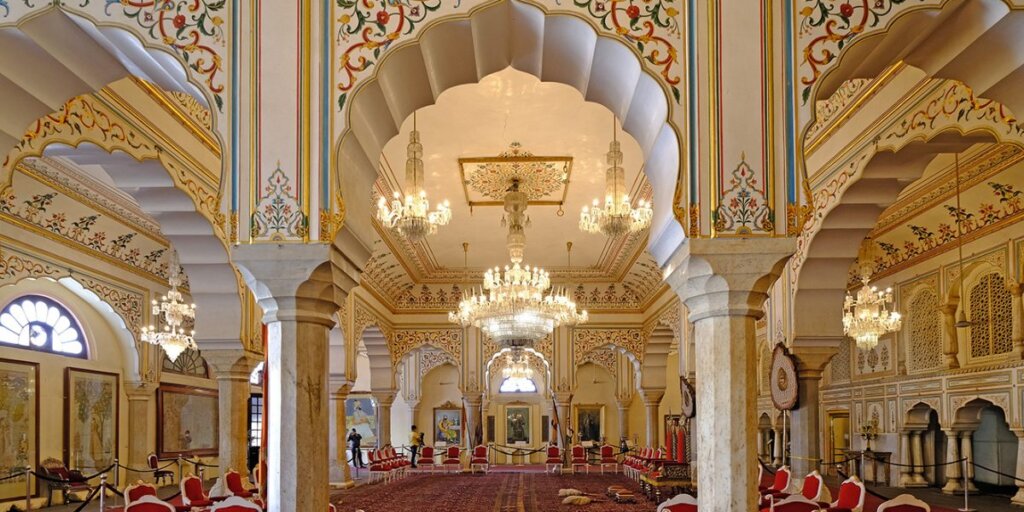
(354, 440)
(414, 444)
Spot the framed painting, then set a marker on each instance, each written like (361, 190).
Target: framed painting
(517, 425)
(447, 425)
(188, 420)
(360, 414)
(589, 423)
(91, 408)
(19, 424)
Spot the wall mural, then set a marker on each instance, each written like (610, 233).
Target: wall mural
(19, 423)
(188, 421)
(589, 423)
(91, 408)
(448, 425)
(517, 425)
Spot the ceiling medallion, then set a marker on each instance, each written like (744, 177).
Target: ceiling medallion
(618, 216)
(866, 317)
(544, 179)
(173, 312)
(516, 307)
(411, 218)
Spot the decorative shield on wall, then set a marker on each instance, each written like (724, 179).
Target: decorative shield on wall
(688, 397)
(783, 379)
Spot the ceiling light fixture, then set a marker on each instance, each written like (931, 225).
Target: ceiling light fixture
(617, 216)
(961, 315)
(172, 312)
(411, 217)
(866, 317)
(516, 307)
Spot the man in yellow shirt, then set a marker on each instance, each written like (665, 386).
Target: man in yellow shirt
(414, 444)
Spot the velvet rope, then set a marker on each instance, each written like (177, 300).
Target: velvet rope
(84, 478)
(911, 465)
(766, 467)
(198, 463)
(88, 499)
(13, 476)
(148, 470)
(990, 470)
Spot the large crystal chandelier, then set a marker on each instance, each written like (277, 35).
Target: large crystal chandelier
(618, 216)
(172, 313)
(867, 316)
(411, 217)
(516, 306)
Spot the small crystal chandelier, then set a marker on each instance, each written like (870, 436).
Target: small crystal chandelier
(618, 216)
(867, 317)
(516, 366)
(173, 312)
(412, 217)
(516, 307)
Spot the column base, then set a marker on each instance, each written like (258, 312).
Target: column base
(342, 485)
(1018, 499)
(953, 487)
(906, 480)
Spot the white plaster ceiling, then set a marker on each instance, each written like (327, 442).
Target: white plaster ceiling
(480, 120)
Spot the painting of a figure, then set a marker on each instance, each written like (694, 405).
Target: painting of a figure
(91, 409)
(360, 415)
(19, 413)
(447, 425)
(588, 423)
(188, 420)
(517, 425)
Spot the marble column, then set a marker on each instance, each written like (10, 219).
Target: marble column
(384, 401)
(951, 343)
(339, 393)
(652, 400)
(917, 453)
(967, 451)
(1017, 335)
(563, 402)
(954, 482)
(906, 458)
(1018, 499)
(299, 288)
(723, 283)
(805, 428)
(777, 446)
(414, 414)
(140, 439)
(623, 420)
(474, 418)
(232, 368)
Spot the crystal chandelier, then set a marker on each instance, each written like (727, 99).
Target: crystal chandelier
(516, 366)
(618, 216)
(411, 217)
(173, 312)
(867, 316)
(516, 306)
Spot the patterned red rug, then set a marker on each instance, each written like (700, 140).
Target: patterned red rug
(495, 492)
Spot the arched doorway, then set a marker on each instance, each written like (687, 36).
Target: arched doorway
(923, 448)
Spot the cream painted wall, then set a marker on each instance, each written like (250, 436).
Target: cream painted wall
(596, 387)
(672, 402)
(440, 385)
(539, 404)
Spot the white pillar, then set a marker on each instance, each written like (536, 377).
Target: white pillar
(967, 451)
(907, 471)
(954, 482)
(723, 283)
(232, 369)
(339, 394)
(918, 454)
(777, 446)
(474, 418)
(805, 442)
(623, 420)
(1018, 498)
(652, 400)
(140, 397)
(384, 401)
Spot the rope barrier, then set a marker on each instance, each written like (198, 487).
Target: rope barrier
(148, 470)
(990, 470)
(12, 476)
(67, 481)
(198, 463)
(914, 465)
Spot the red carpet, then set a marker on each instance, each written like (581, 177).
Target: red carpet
(494, 492)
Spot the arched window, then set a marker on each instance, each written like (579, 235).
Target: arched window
(991, 316)
(39, 323)
(517, 385)
(188, 363)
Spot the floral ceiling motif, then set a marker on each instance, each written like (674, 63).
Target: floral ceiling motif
(604, 357)
(403, 341)
(586, 340)
(487, 179)
(826, 110)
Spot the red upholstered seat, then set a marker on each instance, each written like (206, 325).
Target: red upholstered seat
(149, 504)
(192, 493)
(236, 504)
(811, 489)
(478, 459)
(426, 457)
(851, 497)
(579, 458)
(136, 491)
(679, 503)
(781, 481)
(904, 503)
(452, 458)
(554, 455)
(233, 481)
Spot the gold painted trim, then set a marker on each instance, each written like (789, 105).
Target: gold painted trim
(184, 119)
(854, 107)
(567, 160)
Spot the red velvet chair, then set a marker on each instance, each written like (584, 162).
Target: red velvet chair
(680, 503)
(233, 481)
(192, 492)
(554, 459)
(608, 458)
(904, 503)
(380, 470)
(579, 458)
(479, 459)
(426, 458)
(452, 459)
(851, 497)
(71, 480)
(149, 504)
(236, 504)
(137, 490)
(780, 483)
(813, 488)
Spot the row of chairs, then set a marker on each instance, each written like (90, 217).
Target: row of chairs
(643, 462)
(387, 465)
(851, 493)
(142, 497)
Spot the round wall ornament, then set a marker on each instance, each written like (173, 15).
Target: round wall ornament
(689, 398)
(783, 379)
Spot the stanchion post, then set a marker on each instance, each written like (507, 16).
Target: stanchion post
(199, 471)
(967, 507)
(179, 468)
(117, 476)
(103, 492)
(28, 488)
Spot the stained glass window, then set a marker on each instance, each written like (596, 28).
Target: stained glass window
(189, 362)
(517, 385)
(38, 323)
